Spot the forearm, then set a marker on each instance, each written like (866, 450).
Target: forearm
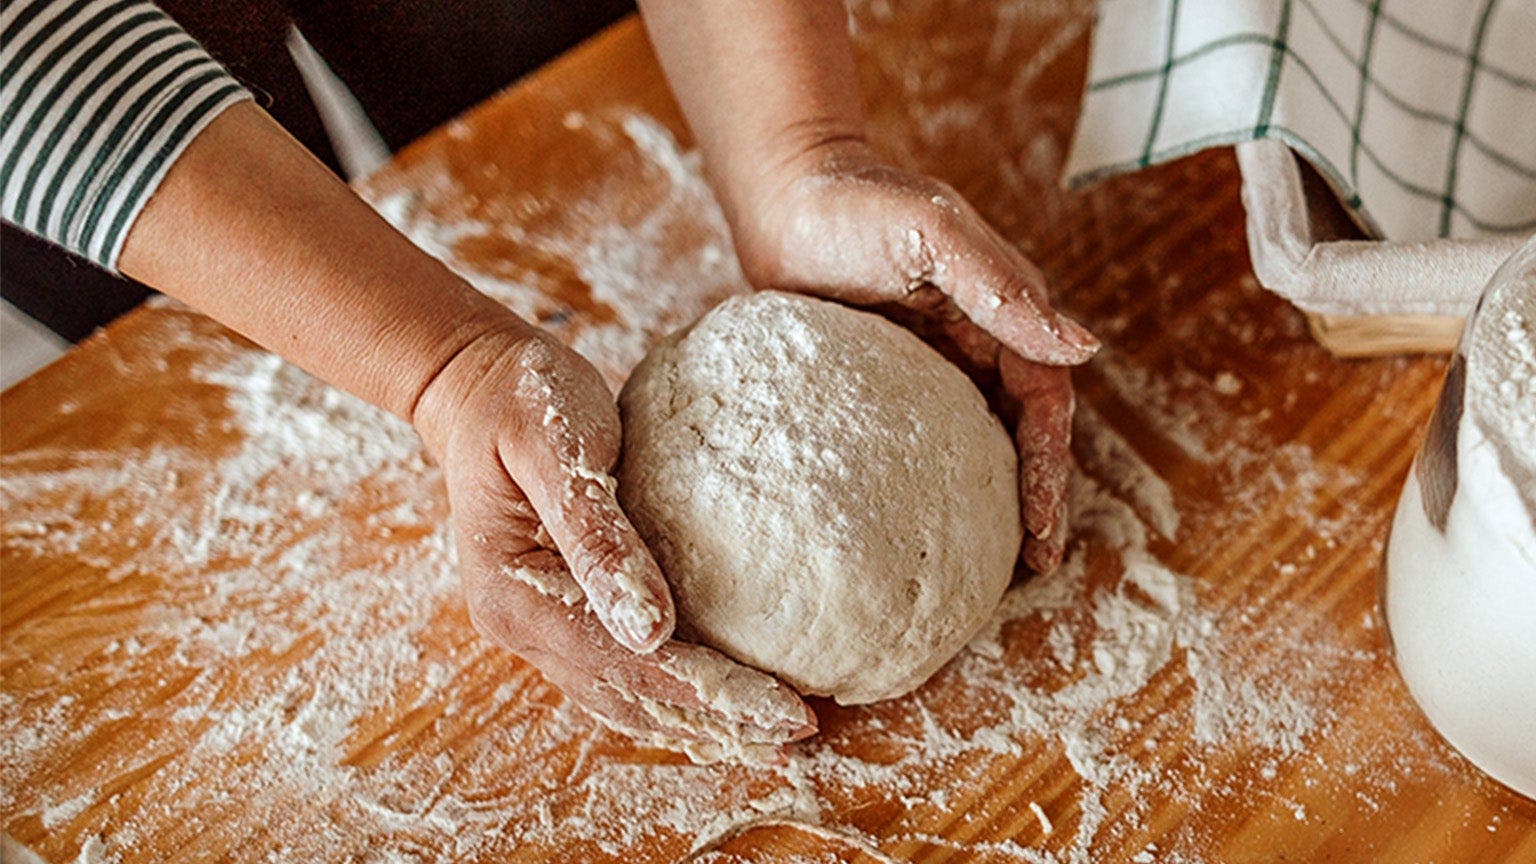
(762, 84)
(249, 228)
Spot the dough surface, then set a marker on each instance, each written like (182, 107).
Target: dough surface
(829, 498)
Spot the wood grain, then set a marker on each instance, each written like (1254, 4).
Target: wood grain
(1283, 461)
(1374, 335)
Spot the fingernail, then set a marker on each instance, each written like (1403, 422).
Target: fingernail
(1076, 334)
(804, 725)
(637, 617)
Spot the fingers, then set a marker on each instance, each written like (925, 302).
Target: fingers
(1043, 395)
(607, 557)
(869, 233)
(692, 693)
(1044, 556)
(658, 699)
(999, 290)
(1035, 399)
(521, 594)
(680, 695)
(562, 459)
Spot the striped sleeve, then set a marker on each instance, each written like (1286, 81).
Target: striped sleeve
(97, 99)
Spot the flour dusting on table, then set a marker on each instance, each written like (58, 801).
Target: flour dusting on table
(287, 648)
(319, 537)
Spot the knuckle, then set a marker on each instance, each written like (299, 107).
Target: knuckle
(943, 207)
(546, 368)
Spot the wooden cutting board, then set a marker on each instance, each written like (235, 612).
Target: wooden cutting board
(229, 628)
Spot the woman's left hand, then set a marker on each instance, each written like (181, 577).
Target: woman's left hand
(844, 224)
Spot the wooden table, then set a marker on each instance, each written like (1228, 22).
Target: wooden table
(231, 630)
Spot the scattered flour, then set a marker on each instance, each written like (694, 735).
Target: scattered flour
(642, 295)
(95, 851)
(277, 641)
(318, 538)
(64, 811)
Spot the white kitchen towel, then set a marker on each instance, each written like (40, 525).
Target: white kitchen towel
(1421, 114)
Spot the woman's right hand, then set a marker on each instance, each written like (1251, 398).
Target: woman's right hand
(527, 435)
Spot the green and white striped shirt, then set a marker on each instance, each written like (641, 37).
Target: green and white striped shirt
(97, 99)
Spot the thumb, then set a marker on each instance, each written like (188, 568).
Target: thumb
(562, 461)
(604, 552)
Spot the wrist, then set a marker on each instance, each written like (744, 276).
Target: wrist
(250, 228)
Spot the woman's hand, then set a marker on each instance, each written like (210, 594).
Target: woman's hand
(842, 223)
(527, 434)
(250, 228)
(771, 94)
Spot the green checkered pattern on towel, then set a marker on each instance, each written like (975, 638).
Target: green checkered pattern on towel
(1420, 114)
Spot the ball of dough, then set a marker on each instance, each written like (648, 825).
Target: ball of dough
(829, 498)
